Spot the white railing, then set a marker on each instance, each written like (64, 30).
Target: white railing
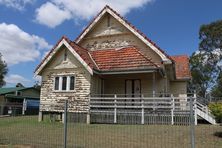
(141, 105)
(205, 113)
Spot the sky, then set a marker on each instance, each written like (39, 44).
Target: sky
(30, 28)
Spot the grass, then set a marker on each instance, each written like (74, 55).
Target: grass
(27, 132)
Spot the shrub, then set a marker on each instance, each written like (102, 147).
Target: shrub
(216, 110)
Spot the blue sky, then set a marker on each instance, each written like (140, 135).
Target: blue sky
(29, 28)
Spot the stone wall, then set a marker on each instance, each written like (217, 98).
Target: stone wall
(78, 98)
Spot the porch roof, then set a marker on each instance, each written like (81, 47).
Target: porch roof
(126, 58)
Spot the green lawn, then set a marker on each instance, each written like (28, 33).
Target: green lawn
(27, 132)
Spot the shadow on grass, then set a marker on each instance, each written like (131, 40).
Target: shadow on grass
(218, 134)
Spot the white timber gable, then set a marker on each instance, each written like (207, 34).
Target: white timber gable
(49, 57)
(109, 30)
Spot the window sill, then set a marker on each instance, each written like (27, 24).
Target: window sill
(64, 91)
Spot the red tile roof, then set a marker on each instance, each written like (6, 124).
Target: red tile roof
(182, 67)
(121, 59)
(84, 54)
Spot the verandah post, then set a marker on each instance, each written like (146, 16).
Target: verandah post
(172, 109)
(115, 109)
(142, 113)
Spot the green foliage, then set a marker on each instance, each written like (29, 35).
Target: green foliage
(216, 110)
(217, 89)
(204, 62)
(210, 36)
(3, 71)
(203, 73)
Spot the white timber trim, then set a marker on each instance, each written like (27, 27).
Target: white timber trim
(138, 35)
(76, 55)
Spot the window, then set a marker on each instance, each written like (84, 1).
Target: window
(72, 82)
(18, 93)
(64, 83)
(56, 83)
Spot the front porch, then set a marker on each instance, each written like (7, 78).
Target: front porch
(148, 83)
(122, 109)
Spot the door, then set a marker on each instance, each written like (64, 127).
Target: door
(133, 89)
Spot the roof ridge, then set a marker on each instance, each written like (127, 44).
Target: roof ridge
(91, 22)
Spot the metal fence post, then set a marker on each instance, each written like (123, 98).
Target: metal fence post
(65, 123)
(195, 108)
(192, 122)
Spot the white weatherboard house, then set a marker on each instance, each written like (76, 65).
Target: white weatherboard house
(110, 59)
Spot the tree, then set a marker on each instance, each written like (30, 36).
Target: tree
(210, 36)
(204, 61)
(217, 89)
(19, 85)
(3, 71)
(203, 73)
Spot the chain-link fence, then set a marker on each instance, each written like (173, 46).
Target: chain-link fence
(111, 127)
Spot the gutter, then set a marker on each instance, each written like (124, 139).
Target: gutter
(129, 71)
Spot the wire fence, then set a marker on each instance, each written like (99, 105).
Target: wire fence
(109, 124)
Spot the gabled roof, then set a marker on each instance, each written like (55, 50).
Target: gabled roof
(80, 53)
(121, 59)
(182, 67)
(13, 89)
(10, 89)
(133, 29)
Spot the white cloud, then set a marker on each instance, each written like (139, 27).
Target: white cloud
(51, 15)
(15, 78)
(18, 46)
(81, 9)
(16, 4)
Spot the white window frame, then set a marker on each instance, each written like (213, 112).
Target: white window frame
(67, 83)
